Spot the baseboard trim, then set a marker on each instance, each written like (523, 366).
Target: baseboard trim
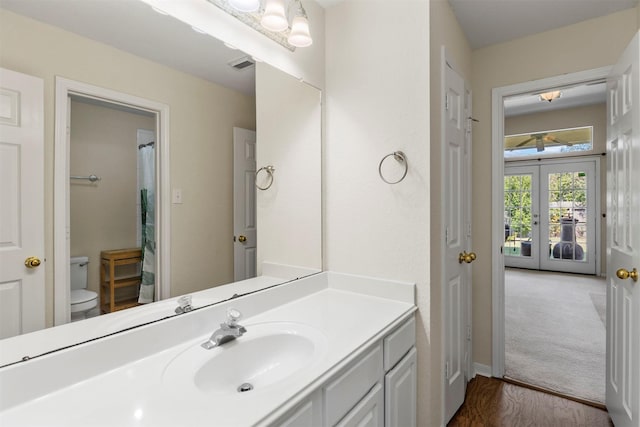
(480, 369)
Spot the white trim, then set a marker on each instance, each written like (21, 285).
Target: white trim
(442, 231)
(482, 370)
(497, 193)
(65, 88)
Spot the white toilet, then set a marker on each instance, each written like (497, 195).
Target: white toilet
(82, 299)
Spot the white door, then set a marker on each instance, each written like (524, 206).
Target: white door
(623, 234)
(22, 290)
(457, 239)
(244, 204)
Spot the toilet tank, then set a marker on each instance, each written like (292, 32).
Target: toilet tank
(78, 272)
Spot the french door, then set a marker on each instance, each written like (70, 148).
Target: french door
(551, 216)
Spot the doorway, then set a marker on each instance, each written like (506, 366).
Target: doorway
(66, 91)
(551, 215)
(498, 200)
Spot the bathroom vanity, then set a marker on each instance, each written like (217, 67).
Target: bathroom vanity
(329, 349)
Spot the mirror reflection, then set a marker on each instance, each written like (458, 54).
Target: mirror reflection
(210, 91)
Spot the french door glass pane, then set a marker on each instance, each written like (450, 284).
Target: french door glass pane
(517, 208)
(568, 216)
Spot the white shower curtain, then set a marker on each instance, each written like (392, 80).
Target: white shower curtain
(146, 178)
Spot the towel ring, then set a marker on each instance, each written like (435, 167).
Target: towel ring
(269, 170)
(400, 157)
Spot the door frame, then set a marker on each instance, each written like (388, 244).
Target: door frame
(497, 194)
(64, 88)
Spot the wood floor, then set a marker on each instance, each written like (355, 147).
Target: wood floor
(491, 402)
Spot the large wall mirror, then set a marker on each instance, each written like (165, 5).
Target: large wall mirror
(217, 97)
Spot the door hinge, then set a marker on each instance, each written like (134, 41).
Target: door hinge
(446, 235)
(446, 370)
(446, 102)
(468, 332)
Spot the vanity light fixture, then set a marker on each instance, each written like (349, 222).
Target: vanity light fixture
(299, 35)
(274, 17)
(271, 18)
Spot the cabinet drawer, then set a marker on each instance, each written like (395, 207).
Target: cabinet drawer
(398, 343)
(348, 389)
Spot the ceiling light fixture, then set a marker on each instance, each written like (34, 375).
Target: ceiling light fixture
(550, 96)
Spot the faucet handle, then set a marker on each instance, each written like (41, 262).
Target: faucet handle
(233, 315)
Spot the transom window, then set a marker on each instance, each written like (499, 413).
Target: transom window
(548, 143)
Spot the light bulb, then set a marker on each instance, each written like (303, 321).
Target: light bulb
(245, 5)
(274, 17)
(299, 35)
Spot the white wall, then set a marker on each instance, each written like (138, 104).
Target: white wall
(288, 125)
(377, 102)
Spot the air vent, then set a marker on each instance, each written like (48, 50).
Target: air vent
(242, 63)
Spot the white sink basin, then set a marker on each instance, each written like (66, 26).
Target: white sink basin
(267, 354)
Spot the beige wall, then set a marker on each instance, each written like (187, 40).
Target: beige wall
(445, 31)
(289, 136)
(202, 116)
(377, 102)
(103, 214)
(583, 46)
(589, 115)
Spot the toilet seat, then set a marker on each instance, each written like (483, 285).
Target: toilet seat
(82, 299)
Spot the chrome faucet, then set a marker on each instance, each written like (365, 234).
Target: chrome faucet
(184, 304)
(229, 330)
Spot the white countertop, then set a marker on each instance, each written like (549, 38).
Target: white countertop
(136, 393)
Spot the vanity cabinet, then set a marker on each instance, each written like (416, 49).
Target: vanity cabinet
(378, 389)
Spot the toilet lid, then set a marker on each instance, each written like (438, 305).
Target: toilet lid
(79, 296)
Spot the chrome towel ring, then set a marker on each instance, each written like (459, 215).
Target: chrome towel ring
(401, 158)
(269, 170)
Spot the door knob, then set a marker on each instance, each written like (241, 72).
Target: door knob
(242, 239)
(466, 257)
(32, 262)
(624, 274)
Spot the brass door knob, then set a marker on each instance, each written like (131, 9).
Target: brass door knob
(242, 239)
(466, 257)
(32, 262)
(624, 274)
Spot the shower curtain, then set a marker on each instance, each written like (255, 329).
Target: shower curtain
(146, 178)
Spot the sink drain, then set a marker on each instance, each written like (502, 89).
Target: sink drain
(245, 387)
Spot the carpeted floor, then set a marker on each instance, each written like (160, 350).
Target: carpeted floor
(555, 331)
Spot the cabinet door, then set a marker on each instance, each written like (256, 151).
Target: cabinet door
(400, 393)
(368, 412)
(306, 414)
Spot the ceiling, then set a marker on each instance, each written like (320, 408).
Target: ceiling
(487, 22)
(145, 33)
